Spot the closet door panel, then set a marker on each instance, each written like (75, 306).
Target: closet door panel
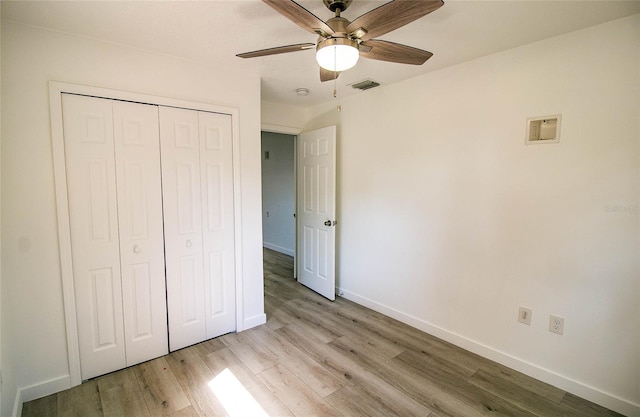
(182, 204)
(218, 222)
(91, 185)
(139, 190)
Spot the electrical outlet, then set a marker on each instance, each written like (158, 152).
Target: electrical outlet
(556, 324)
(524, 316)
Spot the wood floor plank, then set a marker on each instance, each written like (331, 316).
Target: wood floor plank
(524, 382)
(233, 338)
(306, 369)
(256, 357)
(295, 394)
(448, 389)
(352, 400)
(315, 322)
(523, 398)
(81, 401)
(185, 412)
(225, 359)
(410, 384)
(586, 408)
(161, 391)
(370, 344)
(368, 335)
(400, 334)
(350, 373)
(276, 318)
(42, 407)
(117, 402)
(209, 346)
(193, 375)
(121, 396)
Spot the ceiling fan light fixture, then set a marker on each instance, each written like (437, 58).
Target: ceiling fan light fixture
(337, 54)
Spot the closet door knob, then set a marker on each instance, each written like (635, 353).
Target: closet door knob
(189, 244)
(137, 249)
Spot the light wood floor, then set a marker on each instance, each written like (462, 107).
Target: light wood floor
(317, 358)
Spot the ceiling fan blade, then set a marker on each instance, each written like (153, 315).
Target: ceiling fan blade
(391, 16)
(300, 16)
(326, 75)
(277, 50)
(394, 52)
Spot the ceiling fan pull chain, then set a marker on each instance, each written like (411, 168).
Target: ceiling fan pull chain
(335, 63)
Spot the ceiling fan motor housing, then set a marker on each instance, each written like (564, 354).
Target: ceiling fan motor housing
(334, 5)
(339, 26)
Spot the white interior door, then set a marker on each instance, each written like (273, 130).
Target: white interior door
(316, 210)
(138, 176)
(216, 178)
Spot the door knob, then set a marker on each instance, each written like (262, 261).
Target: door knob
(137, 249)
(327, 223)
(189, 244)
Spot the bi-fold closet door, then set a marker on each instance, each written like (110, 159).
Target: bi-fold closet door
(199, 235)
(132, 212)
(115, 211)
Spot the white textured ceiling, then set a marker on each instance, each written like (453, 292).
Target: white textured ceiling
(212, 32)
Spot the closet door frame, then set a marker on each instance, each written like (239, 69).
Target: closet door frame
(56, 89)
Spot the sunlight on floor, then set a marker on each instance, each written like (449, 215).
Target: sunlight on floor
(234, 397)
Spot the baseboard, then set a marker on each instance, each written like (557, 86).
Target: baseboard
(33, 392)
(254, 321)
(582, 390)
(278, 248)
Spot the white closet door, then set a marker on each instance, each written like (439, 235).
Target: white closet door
(218, 226)
(137, 154)
(180, 151)
(91, 182)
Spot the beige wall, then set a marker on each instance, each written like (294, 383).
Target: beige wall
(448, 221)
(30, 265)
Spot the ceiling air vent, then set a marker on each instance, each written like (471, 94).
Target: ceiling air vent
(365, 85)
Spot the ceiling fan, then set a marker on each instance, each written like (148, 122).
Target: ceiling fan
(341, 42)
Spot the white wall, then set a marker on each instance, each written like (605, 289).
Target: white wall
(278, 192)
(282, 118)
(448, 221)
(30, 265)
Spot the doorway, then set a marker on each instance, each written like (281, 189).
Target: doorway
(299, 204)
(278, 192)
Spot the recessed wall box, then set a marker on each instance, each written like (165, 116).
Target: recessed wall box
(544, 129)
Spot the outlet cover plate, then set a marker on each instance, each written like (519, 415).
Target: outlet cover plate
(524, 316)
(556, 324)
